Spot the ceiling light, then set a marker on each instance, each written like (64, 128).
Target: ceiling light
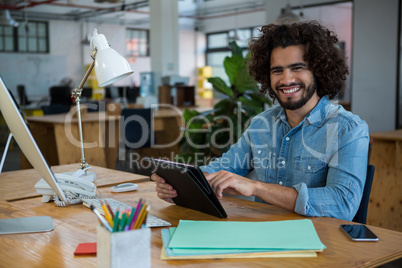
(6, 19)
(287, 14)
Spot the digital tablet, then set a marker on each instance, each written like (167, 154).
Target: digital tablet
(193, 189)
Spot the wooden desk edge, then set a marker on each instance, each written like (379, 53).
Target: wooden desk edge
(393, 135)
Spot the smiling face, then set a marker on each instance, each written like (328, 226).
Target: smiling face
(291, 79)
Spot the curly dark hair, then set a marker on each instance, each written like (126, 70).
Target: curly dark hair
(323, 58)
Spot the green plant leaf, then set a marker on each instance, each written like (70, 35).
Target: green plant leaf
(233, 66)
(236, 50)
(258, 97)
(243, 81)
(239, 77)
(223, 106)
(220, 85)
(256, 106)
(188, 114)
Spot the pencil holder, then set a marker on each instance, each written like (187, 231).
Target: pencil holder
(124, 249)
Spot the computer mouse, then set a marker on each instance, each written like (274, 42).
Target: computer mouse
(124, 187)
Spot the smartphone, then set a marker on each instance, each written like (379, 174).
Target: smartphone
(359, 232)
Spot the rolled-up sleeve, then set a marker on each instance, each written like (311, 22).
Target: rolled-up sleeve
(347, 168)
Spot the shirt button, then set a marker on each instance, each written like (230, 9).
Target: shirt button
(259, 151)
(280, 183)
(283, 162)
(287, 139)
(309, 167)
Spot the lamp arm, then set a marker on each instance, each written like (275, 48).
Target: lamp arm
(77, 95)
(77, 92)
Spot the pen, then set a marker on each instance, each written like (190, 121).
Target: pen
(107, 214)
(116, 221)
(110, 209)
(143, 218)
(102, 219)
(123, 221)
(140, 217)
(137, 210)
(130, 219)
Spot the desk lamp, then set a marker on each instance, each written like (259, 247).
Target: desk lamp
(110, 67)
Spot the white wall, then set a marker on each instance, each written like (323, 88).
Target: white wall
(188, 39)
(374, 73)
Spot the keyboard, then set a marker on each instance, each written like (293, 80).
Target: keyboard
(152, 221)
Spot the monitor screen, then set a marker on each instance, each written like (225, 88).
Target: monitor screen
(19, 128)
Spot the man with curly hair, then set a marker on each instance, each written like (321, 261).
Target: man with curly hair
(309, 155)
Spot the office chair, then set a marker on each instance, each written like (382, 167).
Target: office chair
(61, 95)
(57, 108)
(22, 95)
(136, 132)
(132, 94)
(361, 214)
(137, 128)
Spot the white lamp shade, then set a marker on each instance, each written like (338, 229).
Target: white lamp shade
(110, 66)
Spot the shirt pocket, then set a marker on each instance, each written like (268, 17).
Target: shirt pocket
(308, 164)
(264, 163)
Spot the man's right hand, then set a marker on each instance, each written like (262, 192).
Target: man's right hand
(163, 190)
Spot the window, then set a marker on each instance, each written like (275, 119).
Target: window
(218, 48)
(137, 44)
(32, 37)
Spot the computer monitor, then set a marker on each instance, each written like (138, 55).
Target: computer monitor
(19, 128)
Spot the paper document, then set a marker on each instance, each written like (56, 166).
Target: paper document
(279, 235)
(183, 254)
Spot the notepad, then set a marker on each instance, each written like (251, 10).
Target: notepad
(169, 254)
(85, 249)
(275, 238)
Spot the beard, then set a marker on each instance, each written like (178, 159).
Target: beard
(306, 96)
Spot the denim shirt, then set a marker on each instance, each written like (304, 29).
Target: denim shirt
(324, 158)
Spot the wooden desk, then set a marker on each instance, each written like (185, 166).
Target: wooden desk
(385, 209)
(77, 224)
(15, 185)
(59, 141)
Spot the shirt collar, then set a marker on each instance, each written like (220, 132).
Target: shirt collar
(316, 117)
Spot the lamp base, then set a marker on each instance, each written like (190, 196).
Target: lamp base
(88, 176)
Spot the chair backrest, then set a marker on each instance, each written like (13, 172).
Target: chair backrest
(57, 108)
(61, 94)
(132, 94)
(22, 95)
(361, 215)
(137, 128)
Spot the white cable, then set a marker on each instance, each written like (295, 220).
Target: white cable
(5, 151)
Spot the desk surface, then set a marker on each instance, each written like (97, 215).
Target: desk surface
(394, 135)
(77, 224)
(20, 184)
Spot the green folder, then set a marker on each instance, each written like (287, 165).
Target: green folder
(297, 235)
(168, 233)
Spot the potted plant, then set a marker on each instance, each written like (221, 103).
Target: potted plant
(209, 134)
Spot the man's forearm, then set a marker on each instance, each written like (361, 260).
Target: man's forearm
(278, 195)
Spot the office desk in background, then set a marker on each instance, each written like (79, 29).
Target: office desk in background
(77, 224)
(385, 207)
(51, 134)
(100, 129)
